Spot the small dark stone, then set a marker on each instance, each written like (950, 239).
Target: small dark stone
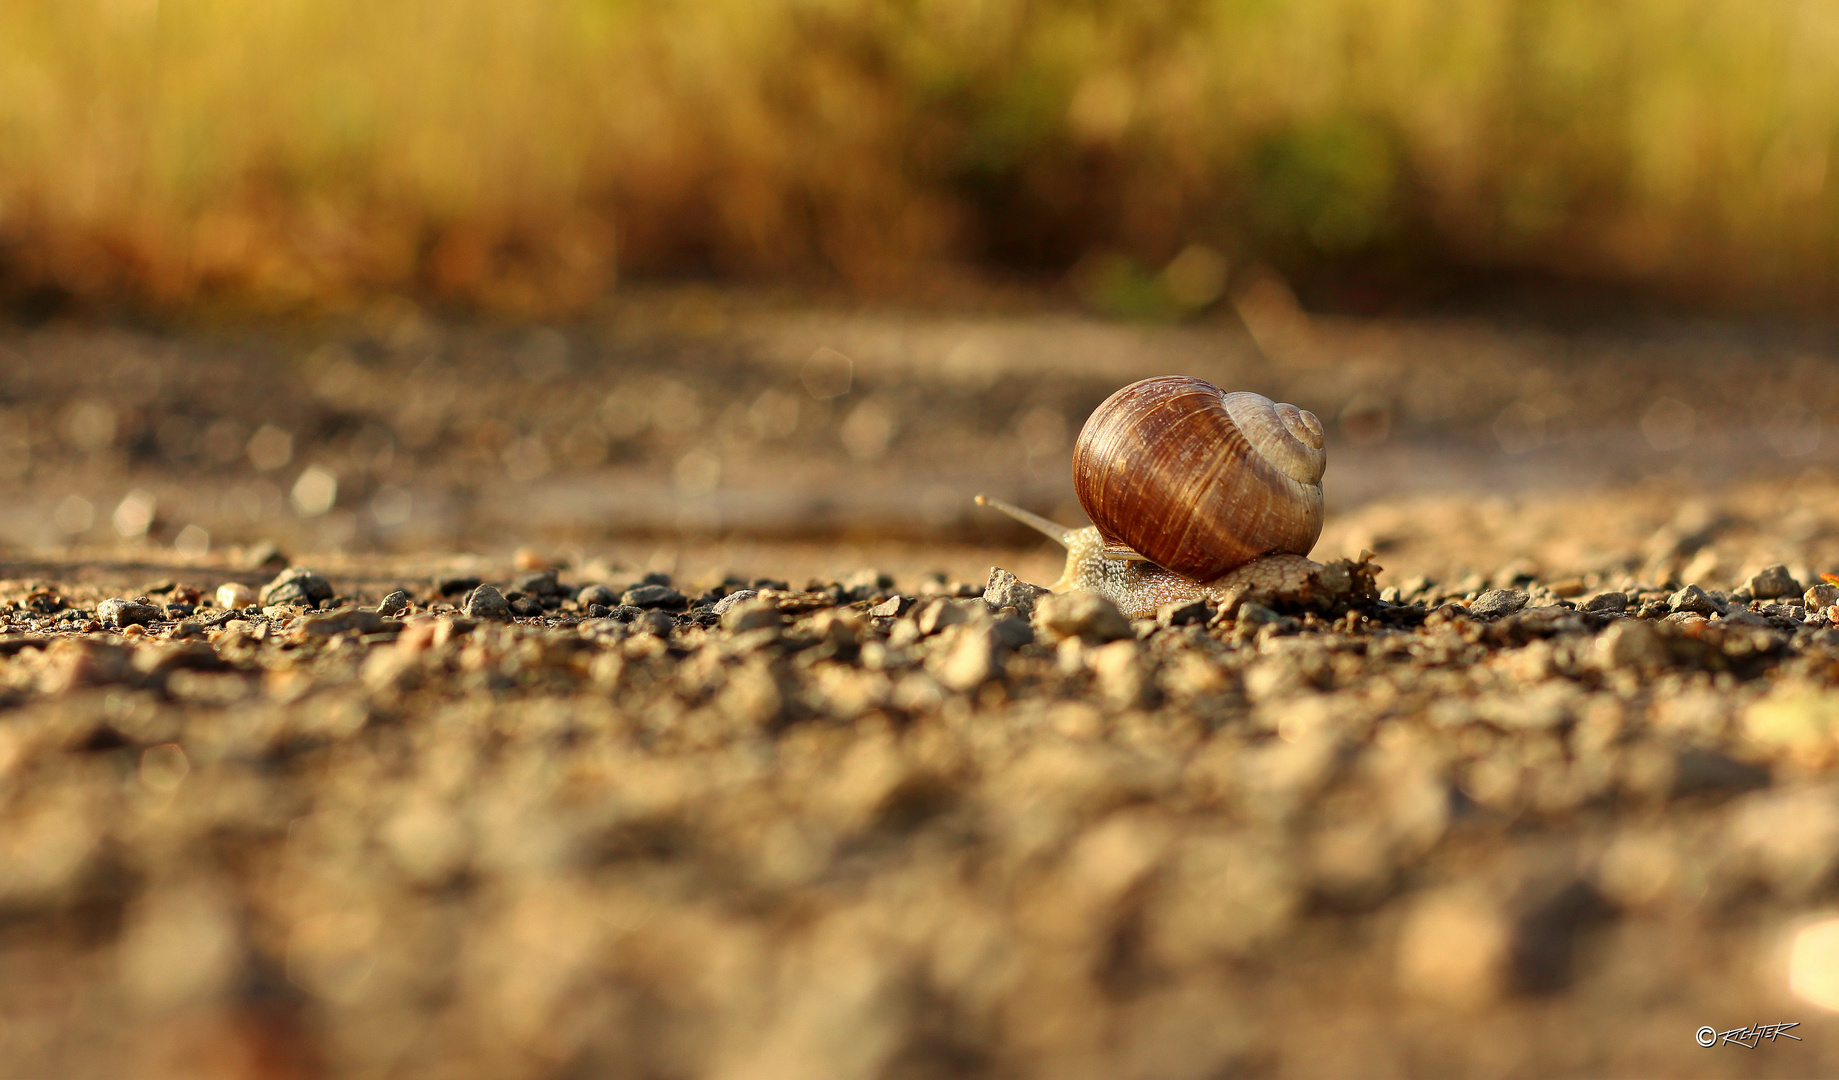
(656, 623)
(1693, 599)
(598, 611)
(654, 596)
(394, 604)
(1773, 583)
(590, 595)
(179, 611)
(625, 613)
(1605, 603)
(296, 585)
(525, 608)
(768, 583)
(1184, 612)
(539, 583)
(486, 602)
(457, 586)
(655, 578)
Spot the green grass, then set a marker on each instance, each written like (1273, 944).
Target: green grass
(519, 153)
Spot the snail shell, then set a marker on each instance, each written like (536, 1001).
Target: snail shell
(1197, 480)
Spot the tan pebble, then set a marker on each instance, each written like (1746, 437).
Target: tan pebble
(235, 595)
(1453, 948)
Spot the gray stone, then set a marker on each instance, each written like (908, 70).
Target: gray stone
(939, 614)
(1086, 616)
(394, 604)
(598, 594)
(486, 602)
(1693, 600)
(654, 622)
(653, 596)
(538, 583)
(722, 606)
(1652, 609)
(1004, 589)
(1772, 583)
(120, 613)
(1497, 603)
(327, 624)
(751, 614)
(296, 585)
(1256, 615)
(1819, 597)
(1605, 603)
(891, 608)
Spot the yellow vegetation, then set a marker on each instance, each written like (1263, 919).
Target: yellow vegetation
(511, 152)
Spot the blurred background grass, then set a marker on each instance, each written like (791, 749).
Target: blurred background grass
(523, 155)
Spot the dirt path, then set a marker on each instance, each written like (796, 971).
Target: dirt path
(1532, 809)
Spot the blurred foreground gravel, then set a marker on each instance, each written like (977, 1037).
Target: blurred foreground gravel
(1564, 793)
(1536, 821)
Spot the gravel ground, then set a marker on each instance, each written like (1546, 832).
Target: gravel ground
(1562, 792)
(584, 824)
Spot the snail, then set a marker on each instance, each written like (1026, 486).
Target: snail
(1196, 493)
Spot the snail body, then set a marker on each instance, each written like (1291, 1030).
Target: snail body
(1194, 493)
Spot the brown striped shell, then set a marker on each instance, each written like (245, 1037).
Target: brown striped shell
(1197, 480)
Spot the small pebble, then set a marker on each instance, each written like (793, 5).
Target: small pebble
(1497, 603)
(589, 595)
(653, 595)
(1772, 583)
(1087, 616)
(296, 585)
(1693, 600)
(538, 583)
(124, 613)
(750, 614)
(721, 606)
(1004, 589)
(394, 604)
(893, 607)
(939, 614)
(235, 596)
(486, 602)
(1605, 603)
(457, 585)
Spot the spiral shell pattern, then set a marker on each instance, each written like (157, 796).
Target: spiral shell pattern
(1198, 480)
